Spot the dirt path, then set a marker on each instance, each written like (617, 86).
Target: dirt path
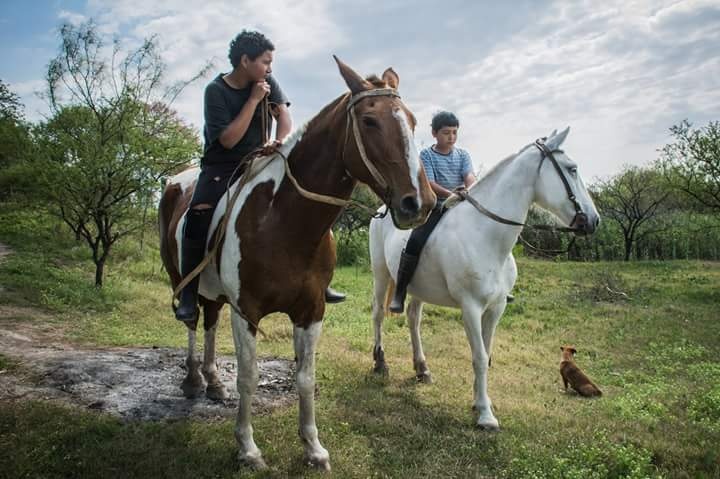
(132, 383)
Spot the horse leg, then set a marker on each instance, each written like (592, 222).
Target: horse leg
(491, 318)
(247, 380)
(472, 319)
(215, 388)
(305, 342)
(193, 384)
(414, 314)
(380, 284)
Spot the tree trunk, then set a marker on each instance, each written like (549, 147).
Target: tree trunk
(99, 269)
(628, 248)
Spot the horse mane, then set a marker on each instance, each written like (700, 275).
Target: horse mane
(375, 81)
(492, 172)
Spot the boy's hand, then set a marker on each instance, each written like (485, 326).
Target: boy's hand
(259, 90)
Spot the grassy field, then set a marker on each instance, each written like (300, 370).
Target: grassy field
(654, 354)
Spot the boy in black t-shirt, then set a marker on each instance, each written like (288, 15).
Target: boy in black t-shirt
(233, 128)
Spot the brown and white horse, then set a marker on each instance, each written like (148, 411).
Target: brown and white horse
(278, 255)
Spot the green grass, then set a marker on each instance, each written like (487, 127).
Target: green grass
(654, 354)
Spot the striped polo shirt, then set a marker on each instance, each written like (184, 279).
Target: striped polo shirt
(448, 170)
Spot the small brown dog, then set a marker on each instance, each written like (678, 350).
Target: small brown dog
(571, 374)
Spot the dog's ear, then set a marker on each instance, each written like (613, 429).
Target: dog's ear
(562, 348)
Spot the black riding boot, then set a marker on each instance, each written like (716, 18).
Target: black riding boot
(408, 263)
(332, 296)
(193, 252)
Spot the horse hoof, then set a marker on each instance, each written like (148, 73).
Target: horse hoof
(256, 463)
(192, 388)
(216, 392)
(381, 370)
(488, 425)
(319, 462)
(424, 378)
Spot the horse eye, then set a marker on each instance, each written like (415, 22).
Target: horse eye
(573, 170)
(371, 122)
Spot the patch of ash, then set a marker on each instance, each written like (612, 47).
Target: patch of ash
(132, 383)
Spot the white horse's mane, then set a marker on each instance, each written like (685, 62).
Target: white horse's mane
(498, 167)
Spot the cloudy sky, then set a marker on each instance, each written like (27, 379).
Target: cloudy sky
(618, 72)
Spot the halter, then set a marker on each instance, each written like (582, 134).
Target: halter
(580, 217)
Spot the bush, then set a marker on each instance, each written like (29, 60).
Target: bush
(352, 247)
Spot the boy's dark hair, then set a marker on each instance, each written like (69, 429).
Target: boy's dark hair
(444, 118)
(250, 43)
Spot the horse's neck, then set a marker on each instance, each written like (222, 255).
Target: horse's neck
(507, 191)
(316, 163)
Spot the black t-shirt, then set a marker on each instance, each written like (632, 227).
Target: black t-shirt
(222, 105)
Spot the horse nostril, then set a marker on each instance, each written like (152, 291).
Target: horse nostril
(597, 222)
(409, 205)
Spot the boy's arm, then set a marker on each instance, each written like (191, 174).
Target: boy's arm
(284, 122)
(439, 190)
(468, 175)
(237, 128)
(469, 179)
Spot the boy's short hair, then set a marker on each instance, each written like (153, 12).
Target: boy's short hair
(444, 118)
(250, 43)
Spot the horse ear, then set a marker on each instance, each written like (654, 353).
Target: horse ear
(391, 78)
(554, 142)
(554, 132)
(355, 82)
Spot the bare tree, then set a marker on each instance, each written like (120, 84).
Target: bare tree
(691, 164)
(633, 199)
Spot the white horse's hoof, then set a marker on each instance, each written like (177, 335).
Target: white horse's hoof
(425, 378)
(488, 424)
(252, 461)
(319, 460)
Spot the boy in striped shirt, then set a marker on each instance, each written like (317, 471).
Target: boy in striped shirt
(447, 168)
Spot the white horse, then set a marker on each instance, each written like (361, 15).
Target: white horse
(467, 262)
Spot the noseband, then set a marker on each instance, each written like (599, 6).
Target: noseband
(579, 220)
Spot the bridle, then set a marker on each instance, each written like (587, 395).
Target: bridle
(579, 220)
(352, 118)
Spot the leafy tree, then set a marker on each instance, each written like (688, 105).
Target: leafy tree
(691, 164)
(16, 146)
(10, 106)
(632, 199)
(111, 137)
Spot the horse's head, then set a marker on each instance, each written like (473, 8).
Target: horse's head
(560, 188)
(379, 148)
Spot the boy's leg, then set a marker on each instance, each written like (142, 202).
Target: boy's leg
(208, 190)
(410, 256)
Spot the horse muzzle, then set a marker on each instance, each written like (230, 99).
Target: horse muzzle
(583, 225)
(409, 213)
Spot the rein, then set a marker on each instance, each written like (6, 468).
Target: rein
(546, 153)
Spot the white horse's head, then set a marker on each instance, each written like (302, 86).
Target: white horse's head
(567, 199)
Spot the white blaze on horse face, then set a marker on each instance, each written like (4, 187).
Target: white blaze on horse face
(411, 154)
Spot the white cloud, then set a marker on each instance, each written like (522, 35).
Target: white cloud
(619, 73)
